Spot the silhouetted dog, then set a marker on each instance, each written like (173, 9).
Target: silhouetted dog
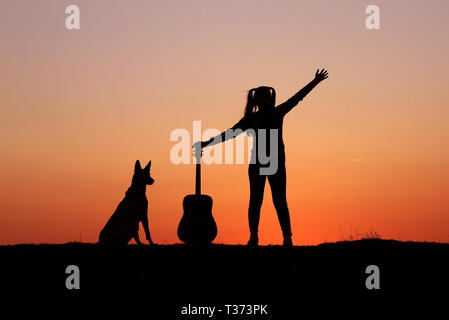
(124, 223)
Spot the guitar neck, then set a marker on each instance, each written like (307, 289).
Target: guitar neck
(198, 178)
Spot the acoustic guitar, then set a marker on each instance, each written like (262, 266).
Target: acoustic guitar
(197, 225)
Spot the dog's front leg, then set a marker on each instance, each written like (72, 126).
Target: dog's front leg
(147, 229)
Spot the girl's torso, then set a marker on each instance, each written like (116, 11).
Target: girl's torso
(266, 129)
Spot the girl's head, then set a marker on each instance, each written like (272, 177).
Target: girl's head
(261, 98)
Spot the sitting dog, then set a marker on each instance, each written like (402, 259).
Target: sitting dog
(124, 223)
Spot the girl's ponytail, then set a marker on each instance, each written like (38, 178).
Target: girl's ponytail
(250, 102)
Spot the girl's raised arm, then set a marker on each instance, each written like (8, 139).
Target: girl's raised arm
(285, 107)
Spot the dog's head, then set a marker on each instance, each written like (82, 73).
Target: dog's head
(142, 176)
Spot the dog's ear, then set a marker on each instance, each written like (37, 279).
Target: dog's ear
(137, 166)
(148, 166)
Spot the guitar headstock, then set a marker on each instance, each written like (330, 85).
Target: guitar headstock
(197, 152)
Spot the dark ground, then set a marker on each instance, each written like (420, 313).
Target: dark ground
(176, 275)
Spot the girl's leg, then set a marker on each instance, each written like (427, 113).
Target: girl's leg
(278, 184)
(256, 185)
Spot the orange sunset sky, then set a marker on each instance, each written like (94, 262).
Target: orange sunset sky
(368, 148)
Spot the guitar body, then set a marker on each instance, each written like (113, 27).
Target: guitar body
(197, 225)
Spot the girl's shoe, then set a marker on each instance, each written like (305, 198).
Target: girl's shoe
(253, 241)
(288, 242)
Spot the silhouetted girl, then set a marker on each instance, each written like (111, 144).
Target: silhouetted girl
(261, 113)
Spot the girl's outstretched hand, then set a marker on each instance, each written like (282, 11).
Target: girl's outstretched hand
(321, 75)
(199, 145)
(205, 143)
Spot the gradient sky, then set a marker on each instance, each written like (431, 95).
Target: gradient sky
(368, 148)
